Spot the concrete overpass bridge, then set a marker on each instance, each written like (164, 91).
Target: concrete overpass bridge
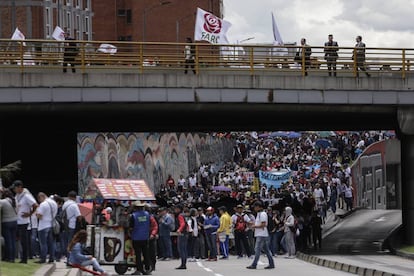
(42, 109)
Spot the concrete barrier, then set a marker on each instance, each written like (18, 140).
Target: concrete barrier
(363, 271)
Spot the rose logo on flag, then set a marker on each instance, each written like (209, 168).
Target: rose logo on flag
(212, 24)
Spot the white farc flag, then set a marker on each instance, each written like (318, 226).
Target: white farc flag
(18, 35)
(58, 34)
(211, 28)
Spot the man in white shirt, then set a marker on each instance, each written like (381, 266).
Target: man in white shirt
(70, 210)
(262, 237)
(192, 181)
(46, 213)
(26, 207)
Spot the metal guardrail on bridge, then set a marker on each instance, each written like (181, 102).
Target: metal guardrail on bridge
(32, 55)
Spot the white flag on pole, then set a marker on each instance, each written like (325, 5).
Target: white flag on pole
(18, 35)
(58, 33)
(277, 40)
(211, 28)
(276, 35)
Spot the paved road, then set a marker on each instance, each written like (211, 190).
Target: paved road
(361, 232)
(230, 267)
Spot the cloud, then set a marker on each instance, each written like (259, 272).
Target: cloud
(382, 23)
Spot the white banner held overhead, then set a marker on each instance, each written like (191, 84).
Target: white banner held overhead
(58, 34)
(18, 35)
(211, 28)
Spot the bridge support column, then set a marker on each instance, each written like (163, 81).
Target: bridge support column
(406, 123)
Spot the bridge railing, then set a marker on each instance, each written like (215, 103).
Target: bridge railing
(32, 55)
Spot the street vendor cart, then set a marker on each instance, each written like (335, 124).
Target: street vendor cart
(111, 243)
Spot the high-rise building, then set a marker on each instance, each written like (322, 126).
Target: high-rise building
(148, 20)
(38, 18)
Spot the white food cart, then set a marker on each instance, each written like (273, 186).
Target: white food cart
(111, 244)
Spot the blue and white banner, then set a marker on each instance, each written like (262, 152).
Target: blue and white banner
(274, 178)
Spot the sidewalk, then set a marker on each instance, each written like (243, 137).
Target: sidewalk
(57, 269)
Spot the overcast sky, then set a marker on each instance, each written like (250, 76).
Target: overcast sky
(381, 23)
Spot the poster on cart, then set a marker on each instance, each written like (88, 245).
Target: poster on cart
(119, 189)
(111, 245)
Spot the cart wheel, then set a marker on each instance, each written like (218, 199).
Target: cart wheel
(121, 268)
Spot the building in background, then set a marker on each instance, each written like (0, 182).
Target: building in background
(105, 20)
(148, 20)
(38, 18)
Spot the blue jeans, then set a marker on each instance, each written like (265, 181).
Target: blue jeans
(277, 241)
(47, 244)
(9, 234)
(182, 243)
(34, 243)
(166, 246)
(224, 247)
(212, 246)
(94, 264)
(262, 243)
(67, 236)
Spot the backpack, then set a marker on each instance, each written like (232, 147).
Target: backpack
(64, 217)
(240, 224)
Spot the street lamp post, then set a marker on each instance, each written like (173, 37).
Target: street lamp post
(177, 25)
(146, 10)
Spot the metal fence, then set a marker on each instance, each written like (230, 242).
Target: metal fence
(32, 55)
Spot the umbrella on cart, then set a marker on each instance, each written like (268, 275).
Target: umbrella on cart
(86, 210)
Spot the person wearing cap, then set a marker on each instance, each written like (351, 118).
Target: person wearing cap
(262, 237)
(182, 232)
(239, 222)
(26, 207)
(139, 224)
(249, 229)
(211, 224)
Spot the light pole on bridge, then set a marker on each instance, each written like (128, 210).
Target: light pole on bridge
(144, 15)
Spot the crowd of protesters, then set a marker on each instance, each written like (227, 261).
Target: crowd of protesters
(209, 215)
(296, 211)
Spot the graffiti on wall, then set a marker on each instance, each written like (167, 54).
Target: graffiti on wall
(148, 156)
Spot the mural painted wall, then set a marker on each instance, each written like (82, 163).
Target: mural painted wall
(148, 156)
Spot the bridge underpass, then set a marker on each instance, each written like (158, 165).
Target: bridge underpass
(41, 115)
